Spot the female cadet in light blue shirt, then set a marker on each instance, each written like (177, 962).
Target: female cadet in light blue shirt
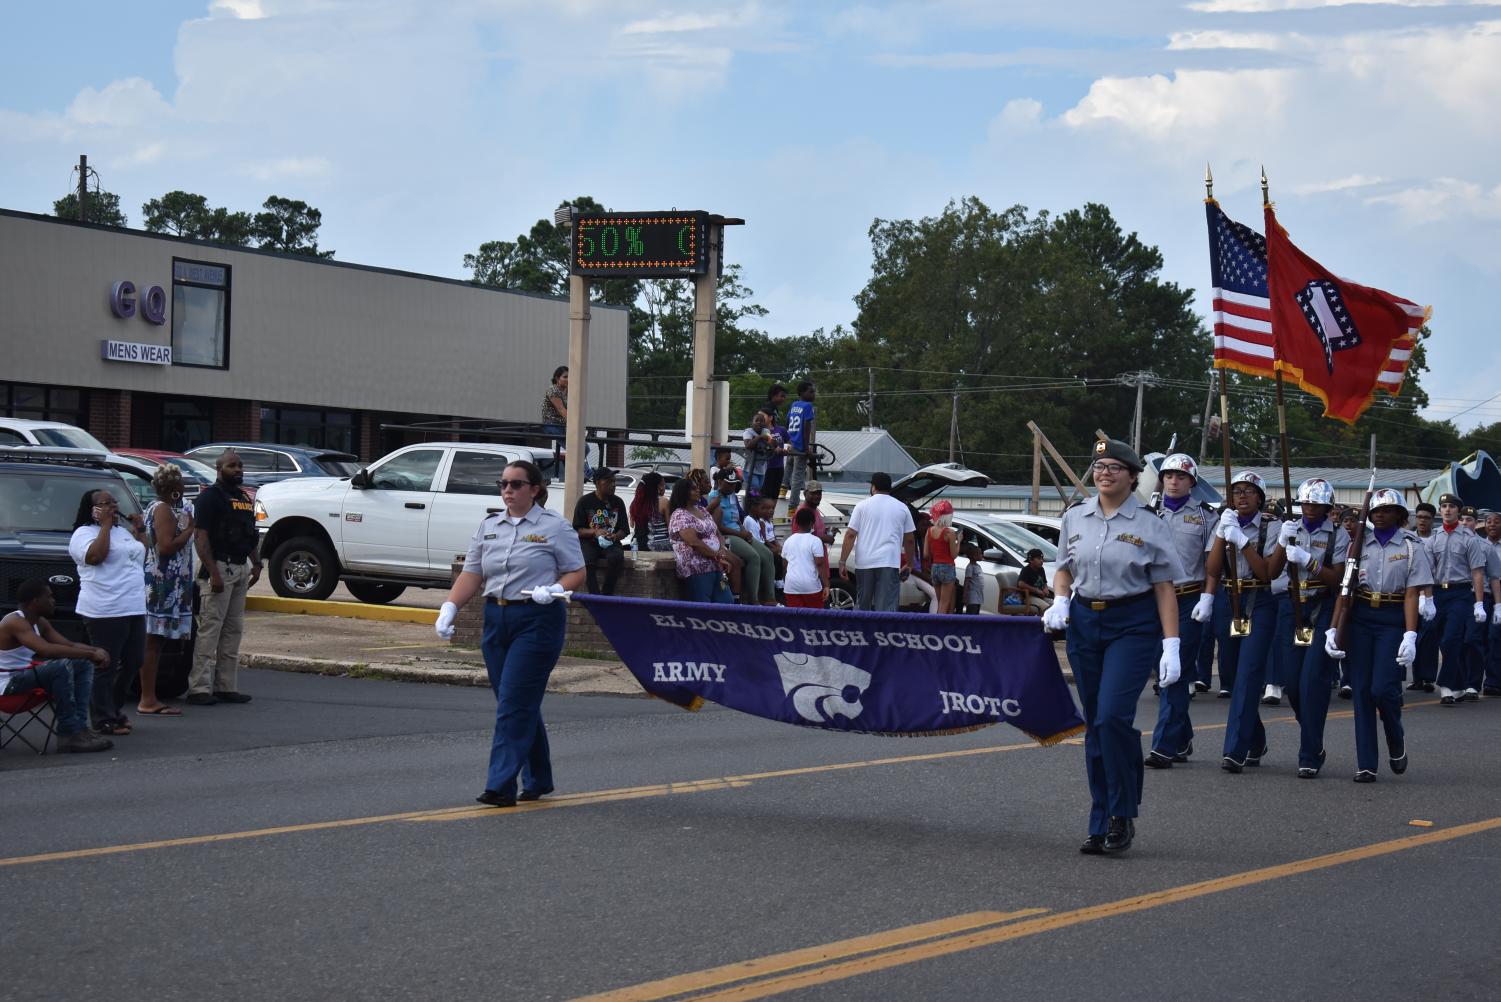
(1114, 588)
(522, 559)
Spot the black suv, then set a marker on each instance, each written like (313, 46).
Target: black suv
(40, 491)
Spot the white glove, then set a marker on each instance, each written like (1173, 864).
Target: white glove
(1055, 617)
(1286, 534)
(1230, 531)
(1203, 610)
(1298, 557)
(1329, 648)
(546, 594)
(1407, 652)
(1426, 608)
(1168, 669)
(1480, 616)
(444, 625)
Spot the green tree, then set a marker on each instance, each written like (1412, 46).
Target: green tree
(103, 208)
(186, 214)
(288, 225)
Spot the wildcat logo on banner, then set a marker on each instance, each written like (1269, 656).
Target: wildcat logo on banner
(867, 672)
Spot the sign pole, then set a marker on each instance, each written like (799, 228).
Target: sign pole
(578, 391)
(705, 288)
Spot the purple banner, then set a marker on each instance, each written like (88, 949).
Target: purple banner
(865, 672)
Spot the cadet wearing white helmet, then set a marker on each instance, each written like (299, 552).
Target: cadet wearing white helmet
(1242, 658)
(1318, 548)
(1114, 587)
(1192, 525)
(1381, 636)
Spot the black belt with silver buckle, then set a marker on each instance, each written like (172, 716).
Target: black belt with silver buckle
(1101, 604)
(492, 600)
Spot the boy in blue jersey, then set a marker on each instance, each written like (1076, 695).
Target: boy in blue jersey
(800, 432)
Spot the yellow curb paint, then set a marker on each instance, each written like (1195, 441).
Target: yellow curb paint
(1052, 922)
(348, 610)
(777, 963)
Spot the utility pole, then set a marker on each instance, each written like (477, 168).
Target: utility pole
(83, 187)
(954, 426)
(1140, 380)
(1208, 410)
(870, 400)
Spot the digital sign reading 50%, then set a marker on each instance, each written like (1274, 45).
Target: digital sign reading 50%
(640, 244)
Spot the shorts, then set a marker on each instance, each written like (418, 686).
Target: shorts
(942, 574)
(813, 601)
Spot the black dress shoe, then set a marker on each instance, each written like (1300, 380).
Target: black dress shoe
(1442, 700)
(200, 699)
(1201, 687)
(1094, 845)
(1345, 692)
(1156, 760)
(1427, 686)
(1254, 759)
(534, 794)
(232, 697)
(1118, 837)
(1224, 694)
(1312, 772)
(1365, 776)
(494, 798)
(1230, 765)
(1399, 762)
(1415, 687)
(1182, 756)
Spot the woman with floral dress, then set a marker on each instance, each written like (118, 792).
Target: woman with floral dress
(169, 578)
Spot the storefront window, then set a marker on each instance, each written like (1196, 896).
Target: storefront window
(200, 314)
(41, 403)
(185, 424)
(316, 429)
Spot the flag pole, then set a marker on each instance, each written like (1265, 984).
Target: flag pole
(1240, 626)
(1302, 632)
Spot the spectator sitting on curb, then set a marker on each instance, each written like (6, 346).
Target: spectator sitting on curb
(758, 576)
(648, 514)
(758, 519)
(33, 655)
(724, 459)
(599, 517)
(1031, 582)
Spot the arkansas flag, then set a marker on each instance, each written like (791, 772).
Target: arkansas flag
(1338, 340)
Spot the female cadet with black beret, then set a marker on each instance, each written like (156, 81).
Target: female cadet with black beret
(1114, 588)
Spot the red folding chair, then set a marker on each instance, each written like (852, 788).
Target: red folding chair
(27, 707)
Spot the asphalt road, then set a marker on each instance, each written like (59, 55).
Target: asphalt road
(822, 865)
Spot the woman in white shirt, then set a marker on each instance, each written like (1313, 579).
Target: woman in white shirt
(110, 552)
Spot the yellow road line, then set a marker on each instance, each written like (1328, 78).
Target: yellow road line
(959, 943)
(777, 963)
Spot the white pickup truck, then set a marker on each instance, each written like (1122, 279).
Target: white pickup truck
(398, 523)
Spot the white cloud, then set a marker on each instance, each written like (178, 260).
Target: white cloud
(1271, 6)
(1020, 114)
(1443, 200)
(1190, 103)
(1185, 40)
(1346, 183)
(121, 104)
(676, 23)
(289, 167)
(247, 10)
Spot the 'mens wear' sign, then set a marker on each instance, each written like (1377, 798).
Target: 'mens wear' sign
(133, 351)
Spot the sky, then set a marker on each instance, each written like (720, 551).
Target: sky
(423, 128)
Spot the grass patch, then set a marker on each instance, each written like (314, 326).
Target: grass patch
(590, 655)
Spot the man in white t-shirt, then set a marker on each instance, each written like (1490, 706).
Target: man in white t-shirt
(880, 532)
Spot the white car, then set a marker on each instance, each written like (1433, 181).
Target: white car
(398, 523)
(1046, 526)
(53, 434)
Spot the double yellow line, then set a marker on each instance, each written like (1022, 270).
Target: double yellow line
(785, 972)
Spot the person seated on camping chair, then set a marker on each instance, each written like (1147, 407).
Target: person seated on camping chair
(33, 655)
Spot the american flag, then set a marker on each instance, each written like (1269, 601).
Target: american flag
(1242, 311)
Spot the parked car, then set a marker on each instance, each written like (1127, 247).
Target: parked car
(399, 523)
(138, 472)
(266, 463)
(196, 474)
(53, 434)
(40, 491)
(1046, 526)
(1003, 544)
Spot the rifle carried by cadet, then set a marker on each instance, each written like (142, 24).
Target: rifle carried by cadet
(1172, 446)
(1351, 579)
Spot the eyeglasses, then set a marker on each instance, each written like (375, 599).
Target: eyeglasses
(1243, 492)
(1114, 469)
(514, 485)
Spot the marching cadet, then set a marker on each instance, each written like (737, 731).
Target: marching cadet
(1317, 548)
(1192, 525)
(1492, 542)
(1381, 636)
(1425, 668)
(1114, 588)
(1457, 563)
(1476, 632)
(1243, 655)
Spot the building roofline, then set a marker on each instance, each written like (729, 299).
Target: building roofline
(37, 217)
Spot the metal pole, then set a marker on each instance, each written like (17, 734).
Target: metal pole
(578, 391)
(705, 288)
(1239, 626)
(1208, 410)
(83, 188)
(953, 427)
(1037, 473)
(1141, 386)
(870, 402)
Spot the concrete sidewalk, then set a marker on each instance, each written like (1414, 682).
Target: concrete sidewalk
(330, 645)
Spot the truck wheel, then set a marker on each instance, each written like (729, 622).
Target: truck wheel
(304, 567)
(375, 592)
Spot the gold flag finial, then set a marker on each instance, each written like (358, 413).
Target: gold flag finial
(1208, 181)
(1265, 198)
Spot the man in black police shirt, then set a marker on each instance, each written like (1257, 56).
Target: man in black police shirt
(225, 539)
(600, 519)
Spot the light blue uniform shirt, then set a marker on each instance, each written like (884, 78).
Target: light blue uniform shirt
(1492, 560)
(1330, 546)
(515, 557)
(1120, 556)
(1193, 535)
(1395, 567)
(1454, 554)
(1263, 537)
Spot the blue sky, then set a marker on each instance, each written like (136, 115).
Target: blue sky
(422, 129)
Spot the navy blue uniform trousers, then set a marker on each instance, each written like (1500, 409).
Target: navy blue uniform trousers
(1456, 615)
(1174, 731)
(1113, 653)
(1425, 668)
(1476, 635)
(1371, 642)
(1308, 673)
(1243, 667)
(521, 644)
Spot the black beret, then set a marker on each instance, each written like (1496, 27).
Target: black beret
(1120, 452)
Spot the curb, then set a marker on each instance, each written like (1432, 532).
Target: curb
(573, 676)
(348, 610)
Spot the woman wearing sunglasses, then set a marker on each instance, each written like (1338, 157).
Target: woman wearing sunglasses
(110, 551)
(524, 560)
(1114, 588)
